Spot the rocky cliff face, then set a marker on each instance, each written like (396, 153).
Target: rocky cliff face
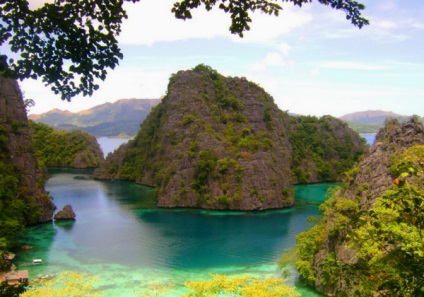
(17, 152)
(343, 212)
(214, 142)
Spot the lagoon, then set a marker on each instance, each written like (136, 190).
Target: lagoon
(129, 245)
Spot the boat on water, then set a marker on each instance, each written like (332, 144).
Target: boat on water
(37, 261)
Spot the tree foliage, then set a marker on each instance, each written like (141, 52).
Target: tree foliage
(326, 143)
(55, 148)
(390, 236)
(72, 44)
(387, 240)
(67, 43)
(12, 203)
(239, 10)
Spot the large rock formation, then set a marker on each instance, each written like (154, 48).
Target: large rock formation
(214, 142)
(16, 151)
(327, 246)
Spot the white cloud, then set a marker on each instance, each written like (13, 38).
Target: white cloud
(386, 25)
(350, 65)
(284, 48)
(123, 82)
(151, 21)
(315, 72)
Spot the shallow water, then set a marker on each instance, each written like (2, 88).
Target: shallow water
(129, 248)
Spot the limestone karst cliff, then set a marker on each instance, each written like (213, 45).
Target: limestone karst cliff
(353, 251)
(22, 191)
(217, 142)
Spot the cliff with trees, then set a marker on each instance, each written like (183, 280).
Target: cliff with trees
(368, 241)
(58, 148)
(23, 200)
(221, 143)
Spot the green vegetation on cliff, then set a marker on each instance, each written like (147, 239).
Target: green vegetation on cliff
(369, 240)
(12, 206)
(23, 200)
(221, 142)
(197, 145)
(323, 146)
(55, 148)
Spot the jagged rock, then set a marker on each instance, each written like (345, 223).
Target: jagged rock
(14, 125)
(214, 142)
(67, 213)
(211, 147)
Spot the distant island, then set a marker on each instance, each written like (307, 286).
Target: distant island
(371, 121)
(118, 119)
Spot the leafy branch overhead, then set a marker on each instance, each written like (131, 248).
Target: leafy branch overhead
(71, 44)
(239, 10)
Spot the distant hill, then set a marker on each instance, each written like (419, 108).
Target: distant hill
(109, 119)
(370, 121)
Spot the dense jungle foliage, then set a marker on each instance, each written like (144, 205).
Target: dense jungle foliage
(12, 205)
(324, 143)
(386, 240)
(58, 148)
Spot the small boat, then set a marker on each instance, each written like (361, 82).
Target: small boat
(37, 261)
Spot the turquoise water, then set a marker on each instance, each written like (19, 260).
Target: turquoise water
(128, 248)
(128, 245)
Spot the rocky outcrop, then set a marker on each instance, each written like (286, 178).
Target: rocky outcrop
(367, 181)
(213, 142)
(66, 213)
(17, 151)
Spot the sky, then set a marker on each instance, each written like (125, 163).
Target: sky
(311, 60)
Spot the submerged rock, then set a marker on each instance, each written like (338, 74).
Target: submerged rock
(67, 213)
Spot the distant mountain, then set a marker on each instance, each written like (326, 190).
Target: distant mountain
(370, 121)
(109, 119)
(371, 117)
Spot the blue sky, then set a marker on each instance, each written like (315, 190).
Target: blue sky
(311, 60)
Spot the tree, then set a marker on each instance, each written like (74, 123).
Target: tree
(390, 236)
(71, 44)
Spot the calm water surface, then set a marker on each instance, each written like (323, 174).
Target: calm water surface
(128, 247)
